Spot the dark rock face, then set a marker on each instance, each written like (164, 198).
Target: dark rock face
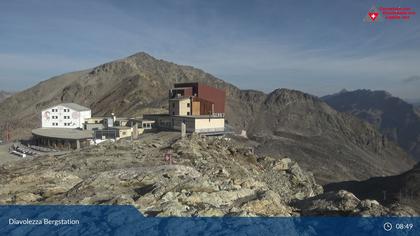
(335, 146)
(394, 117)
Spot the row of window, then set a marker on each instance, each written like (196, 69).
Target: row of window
(173, 105)
(188, 113)
(56, 110)
(65, 124)
(65, 117)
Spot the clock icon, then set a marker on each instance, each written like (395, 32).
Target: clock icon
(387, 226)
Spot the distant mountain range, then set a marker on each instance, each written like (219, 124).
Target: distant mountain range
(4, 95)
(397, 119)
(335, 146)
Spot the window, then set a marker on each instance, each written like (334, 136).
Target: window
(188, 104)
(66, 110)
(188, 113)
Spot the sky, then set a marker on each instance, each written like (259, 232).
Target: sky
(318, 47)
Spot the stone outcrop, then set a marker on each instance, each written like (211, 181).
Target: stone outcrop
(206, 177)
(344, 203)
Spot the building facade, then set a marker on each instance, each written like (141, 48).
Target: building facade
(203, 99)
(197, 124)
(65, 115)
(200, 107)
(180, 106)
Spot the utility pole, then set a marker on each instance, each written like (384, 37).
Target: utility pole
(7, 133)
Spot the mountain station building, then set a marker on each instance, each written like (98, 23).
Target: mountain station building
(200, 107)
(65, 115)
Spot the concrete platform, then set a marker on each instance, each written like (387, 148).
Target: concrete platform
(63, 133)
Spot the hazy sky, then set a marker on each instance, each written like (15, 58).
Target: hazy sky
(318, 47)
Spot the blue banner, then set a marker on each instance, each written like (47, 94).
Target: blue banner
(127, 220)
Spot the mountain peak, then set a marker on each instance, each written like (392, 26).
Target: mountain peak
(289, 95)
(141, 55)
(343, 91)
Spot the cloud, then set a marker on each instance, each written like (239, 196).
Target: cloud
(411, 79)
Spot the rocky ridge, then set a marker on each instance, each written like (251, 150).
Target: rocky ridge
(335, 146)
(395, 118)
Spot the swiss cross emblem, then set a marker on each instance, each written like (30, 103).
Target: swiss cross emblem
(373, 15)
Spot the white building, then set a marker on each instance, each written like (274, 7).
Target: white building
(65, 115)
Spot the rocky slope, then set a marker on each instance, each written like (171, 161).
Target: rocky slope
(208, 177)
(336, 147)
(4, 95)
(131, 86)
(394, 117)
(403, 189)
